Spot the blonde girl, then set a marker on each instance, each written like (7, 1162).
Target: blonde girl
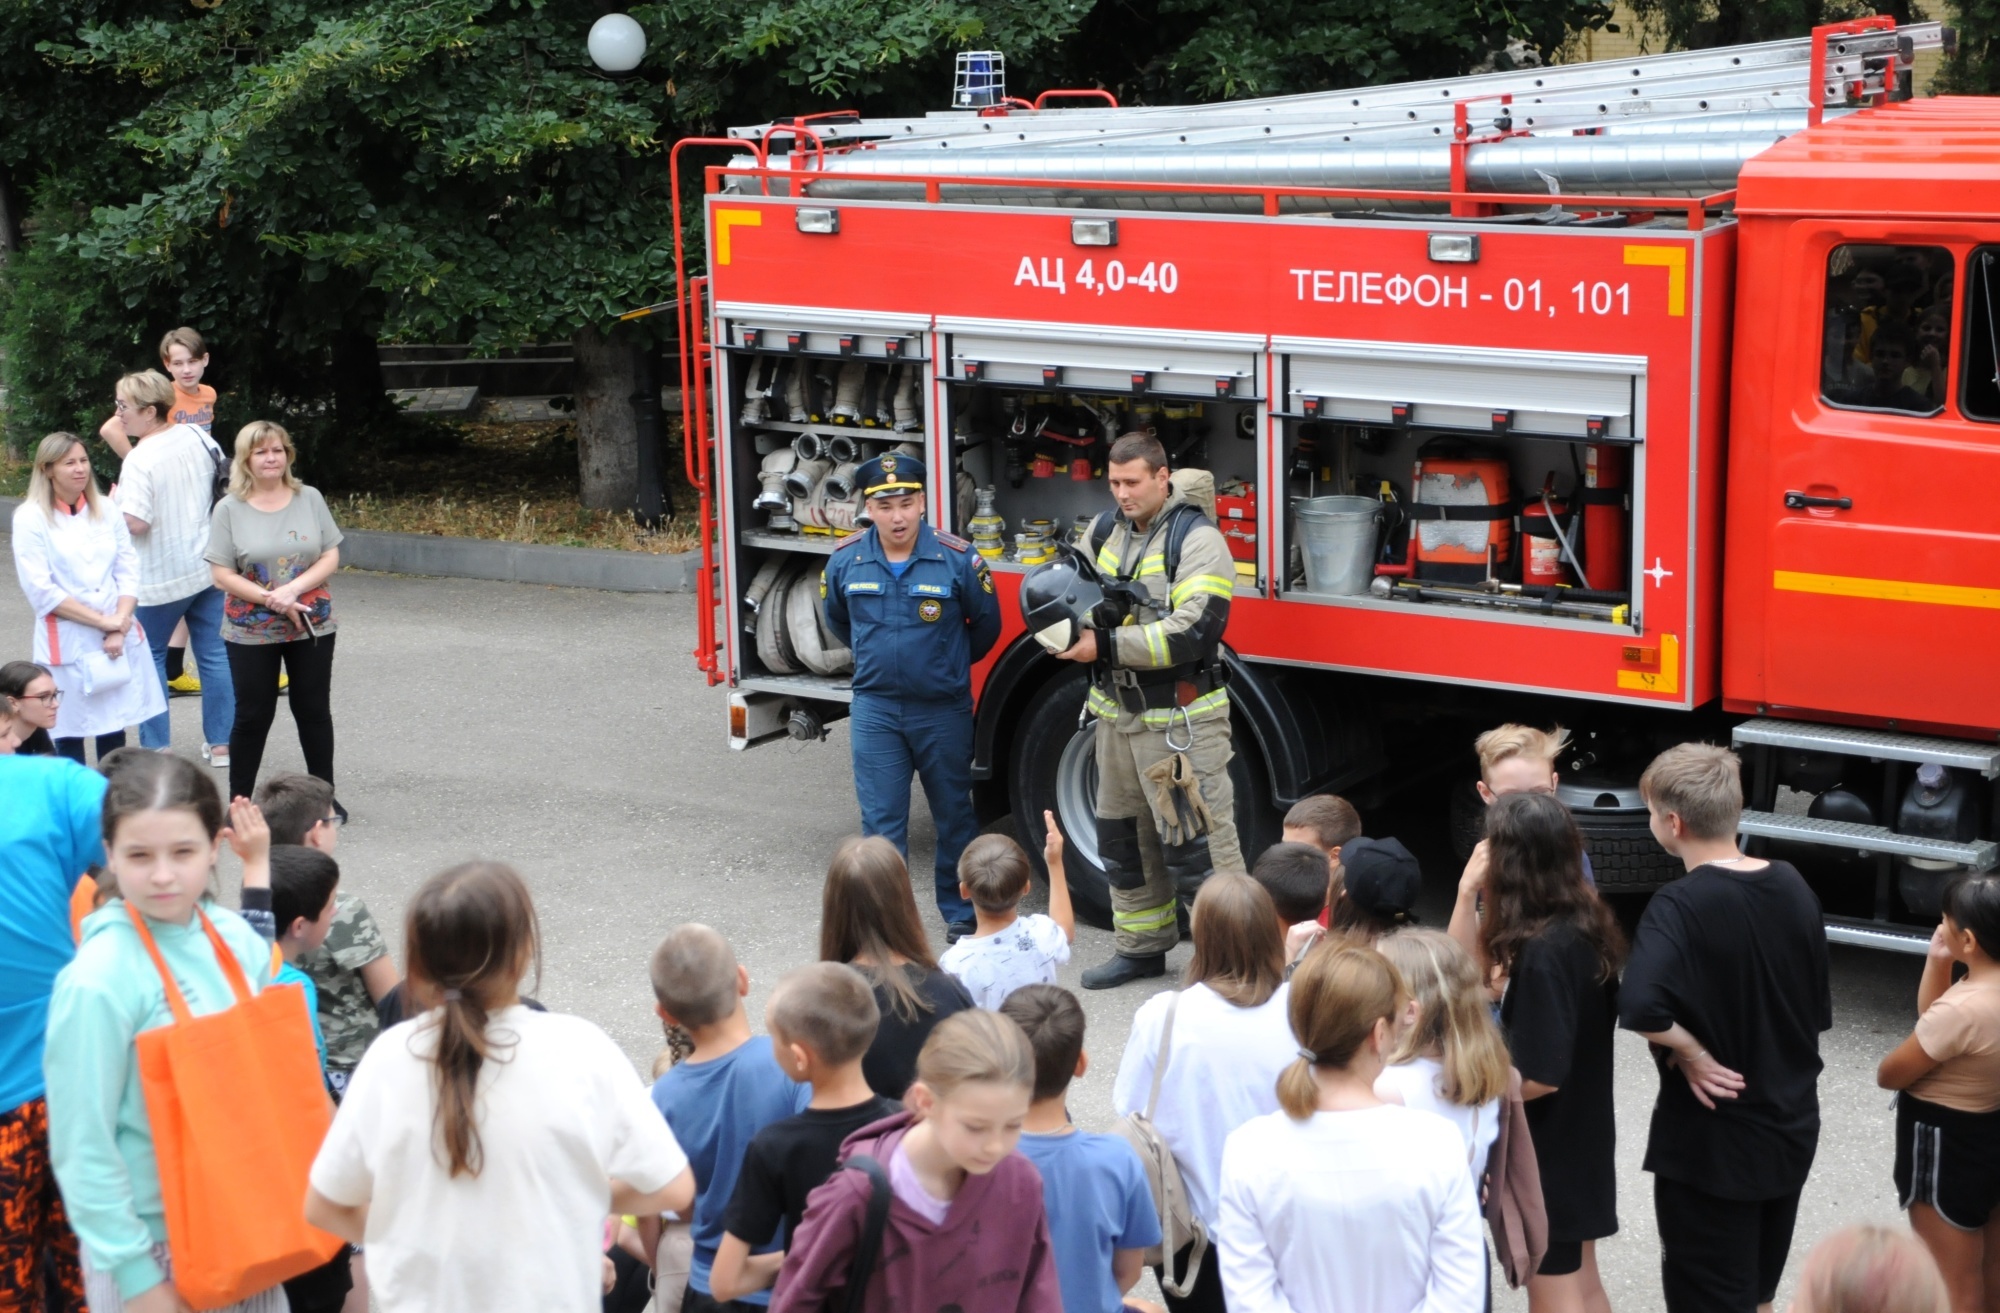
(1870, 1269)
(163, 826)
(1449, 1057)
(482, 1144)
(966, 1221)
(1340, 1202)
(869, 920)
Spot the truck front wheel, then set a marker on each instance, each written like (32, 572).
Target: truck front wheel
(1054, 768)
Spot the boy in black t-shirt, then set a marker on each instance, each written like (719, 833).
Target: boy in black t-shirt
(822, 1019)
(1728, 980)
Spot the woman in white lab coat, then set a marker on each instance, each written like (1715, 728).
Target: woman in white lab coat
(74, 557)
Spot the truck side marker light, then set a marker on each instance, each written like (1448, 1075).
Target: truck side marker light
(1094, 232)
(1674, 259)
(814, 220)
(1885, 590)
(1455, 248)
(972, 369)
(749, 339)
(1503, 420)
(728, 219)
(1665, 679)
(1140, 382)
(1399, 414)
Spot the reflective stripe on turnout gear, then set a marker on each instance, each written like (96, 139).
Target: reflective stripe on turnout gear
(1105, 707)
(1146, 920)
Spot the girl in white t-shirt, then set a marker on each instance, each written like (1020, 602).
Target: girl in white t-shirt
(1340, 1202)
(1229, 1040)
(481, 1144)
(1449, 1057)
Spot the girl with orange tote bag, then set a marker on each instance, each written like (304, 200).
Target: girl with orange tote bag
(185, 1104)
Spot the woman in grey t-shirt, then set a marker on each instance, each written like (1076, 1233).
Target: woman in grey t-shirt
(272, 546)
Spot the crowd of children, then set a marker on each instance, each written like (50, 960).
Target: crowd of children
(1326, 1116)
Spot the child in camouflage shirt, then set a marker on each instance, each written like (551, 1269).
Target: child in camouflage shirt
(352, 969)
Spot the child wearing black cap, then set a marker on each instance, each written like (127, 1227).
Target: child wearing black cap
(1375, 888)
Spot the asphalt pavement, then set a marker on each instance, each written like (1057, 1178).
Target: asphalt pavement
(570, 734)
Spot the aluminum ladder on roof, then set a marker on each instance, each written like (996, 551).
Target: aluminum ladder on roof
(1685, 87)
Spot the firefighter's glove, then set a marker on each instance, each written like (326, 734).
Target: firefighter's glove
(1177, 800)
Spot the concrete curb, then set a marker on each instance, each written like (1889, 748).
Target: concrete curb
(519, 563)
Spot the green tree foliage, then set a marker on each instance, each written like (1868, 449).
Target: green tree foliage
(1700, 24)
(301, 178)
(1974, 68)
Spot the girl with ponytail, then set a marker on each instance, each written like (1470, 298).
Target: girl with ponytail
(481, 1144)
(1339, 1202)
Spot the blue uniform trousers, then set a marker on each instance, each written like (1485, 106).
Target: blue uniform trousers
(894, 738)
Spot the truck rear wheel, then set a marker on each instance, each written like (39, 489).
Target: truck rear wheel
(1625, 858)
(1054, 768)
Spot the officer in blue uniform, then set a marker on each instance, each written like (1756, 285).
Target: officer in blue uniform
(917, 608)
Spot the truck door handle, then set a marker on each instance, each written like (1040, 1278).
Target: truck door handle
(1799, 501)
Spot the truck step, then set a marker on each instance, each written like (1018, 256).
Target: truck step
(1876, 934)
(1979, 855)
(1881, 745)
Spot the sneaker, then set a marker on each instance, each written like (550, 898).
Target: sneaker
(185, 683)
(284, 681)
(216, 755)
(957, 930)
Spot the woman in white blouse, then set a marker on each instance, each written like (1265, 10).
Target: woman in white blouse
(74, 557)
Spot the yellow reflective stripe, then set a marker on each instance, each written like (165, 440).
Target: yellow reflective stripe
(1102, 704)
(1885, 590)
(1156, 642)
(1208, 704)
(1107, 559)
(1211, 585)
(1146, 919)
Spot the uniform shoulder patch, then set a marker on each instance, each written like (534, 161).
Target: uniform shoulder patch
(953, 541)
(848, 540)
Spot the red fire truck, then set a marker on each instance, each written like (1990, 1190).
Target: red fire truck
(1657, 399)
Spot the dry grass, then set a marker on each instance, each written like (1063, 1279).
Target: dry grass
(549, 520)
(506, 482)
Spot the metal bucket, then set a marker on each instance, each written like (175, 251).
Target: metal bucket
(1337, 537)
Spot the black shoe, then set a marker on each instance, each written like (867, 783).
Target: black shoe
(340, 811)
(957, 930)
(1121, 969)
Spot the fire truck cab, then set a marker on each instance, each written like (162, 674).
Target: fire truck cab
(1685, 463)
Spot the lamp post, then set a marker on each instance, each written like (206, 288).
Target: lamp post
(617, 43)
(617, 46)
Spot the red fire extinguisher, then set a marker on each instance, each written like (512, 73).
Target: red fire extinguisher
(1544, 520)
(1603, 497)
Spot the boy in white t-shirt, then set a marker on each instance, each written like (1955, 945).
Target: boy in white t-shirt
(1007, 950)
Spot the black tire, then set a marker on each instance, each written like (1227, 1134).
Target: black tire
(1041, 780)
(1625, 858)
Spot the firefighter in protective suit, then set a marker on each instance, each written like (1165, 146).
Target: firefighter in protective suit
(1157, 692)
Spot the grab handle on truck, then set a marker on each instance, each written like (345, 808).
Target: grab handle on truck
(1799, 501)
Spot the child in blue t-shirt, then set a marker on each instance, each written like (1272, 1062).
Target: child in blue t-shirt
(722, 1094)
(1102, 1219)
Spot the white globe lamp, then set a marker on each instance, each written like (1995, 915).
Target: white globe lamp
(617, 43)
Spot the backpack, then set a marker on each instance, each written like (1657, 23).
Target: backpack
(218, 485)
(874, 1223)
(1178, 1223)
(1512, 1186)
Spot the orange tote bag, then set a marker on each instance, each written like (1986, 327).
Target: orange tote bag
(238, 1112)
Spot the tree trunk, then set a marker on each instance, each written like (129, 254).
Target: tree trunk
(607, 439)
(10, 216)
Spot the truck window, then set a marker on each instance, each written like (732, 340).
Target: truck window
(1888, 328)
(1979, 395)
